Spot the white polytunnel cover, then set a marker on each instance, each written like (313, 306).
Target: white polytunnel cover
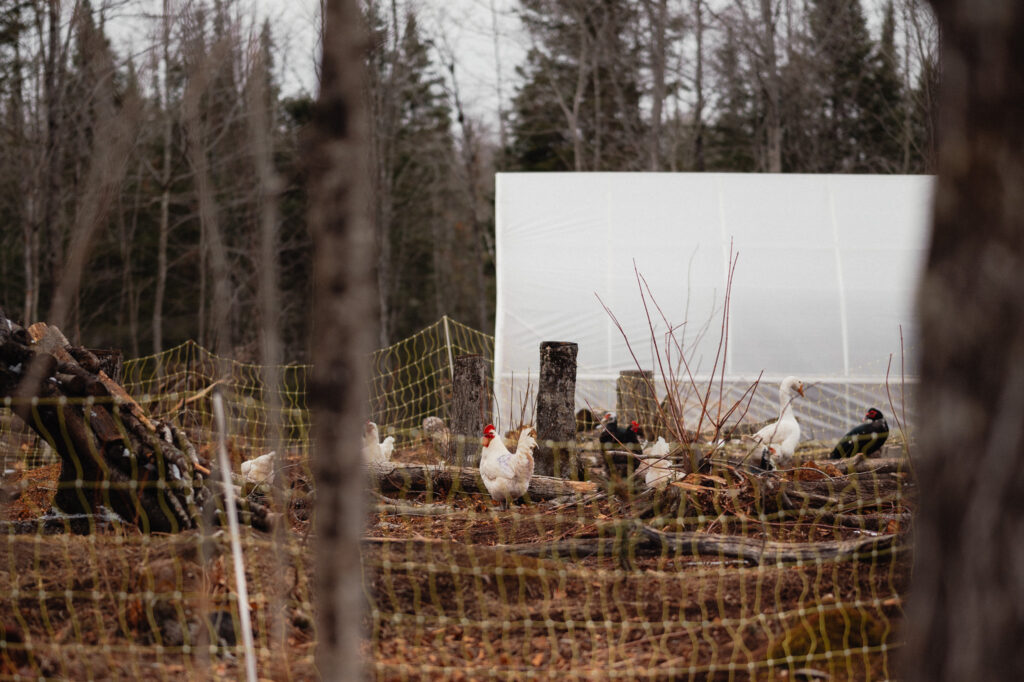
(825, 277)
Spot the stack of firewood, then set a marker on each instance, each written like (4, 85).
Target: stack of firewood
(114, 457)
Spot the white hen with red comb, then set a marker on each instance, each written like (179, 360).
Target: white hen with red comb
(507, 474)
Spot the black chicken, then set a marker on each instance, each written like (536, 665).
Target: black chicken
(612, 433)
(867, 437)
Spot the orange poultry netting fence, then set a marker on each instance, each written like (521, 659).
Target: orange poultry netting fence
(730, 572)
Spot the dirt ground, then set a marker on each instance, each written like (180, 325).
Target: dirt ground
(447, 598)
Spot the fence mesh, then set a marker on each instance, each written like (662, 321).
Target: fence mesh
(728, 573)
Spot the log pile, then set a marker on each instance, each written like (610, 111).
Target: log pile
(113, 455)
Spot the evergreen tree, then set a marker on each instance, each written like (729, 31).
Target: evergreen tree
(842, 49)
(578, 107)
(730, 137)
(884, 105)
(416, 205)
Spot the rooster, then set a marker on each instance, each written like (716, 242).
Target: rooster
(507, 474)
(778, 440)
(611, 433)
(375, 451)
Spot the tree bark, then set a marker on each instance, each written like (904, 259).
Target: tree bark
(657, 16)
(394, 477)
(771, 87)
(635, 399)
(113, 455)
(556, 418)
(165, 190)
(964, 618)
(344, 329)
(640, 540)
(469, 409)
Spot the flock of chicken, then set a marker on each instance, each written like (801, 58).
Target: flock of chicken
(507, 473)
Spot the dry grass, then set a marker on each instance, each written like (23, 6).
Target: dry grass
(446, 602)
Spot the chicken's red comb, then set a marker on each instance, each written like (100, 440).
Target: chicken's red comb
(634, 425)
(489, 427)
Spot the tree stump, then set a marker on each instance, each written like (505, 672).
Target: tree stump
(469, 409)
(635, 400)
(556, 418)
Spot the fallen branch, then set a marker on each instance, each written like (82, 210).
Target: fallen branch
(864, 465)
(644, 540)
(396, 477)
(414, 510)
(755, 551)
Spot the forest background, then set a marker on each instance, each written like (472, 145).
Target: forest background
(169, 163)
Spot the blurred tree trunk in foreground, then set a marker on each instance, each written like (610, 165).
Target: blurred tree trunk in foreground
(964, 621)
(344, 330)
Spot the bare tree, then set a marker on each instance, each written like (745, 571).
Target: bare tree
(344, 329)
(657, 19)
(964, 619)
(698, 86)
(165, 182)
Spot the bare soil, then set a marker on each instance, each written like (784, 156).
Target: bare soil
(446, 601)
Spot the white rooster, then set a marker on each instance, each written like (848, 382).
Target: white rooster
(375, 451)
(779, 439)
(507, 474)
(259, 469)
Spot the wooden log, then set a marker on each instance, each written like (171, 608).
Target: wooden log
(469, 409)
(635, 401)
(113, 456)
(556, 420)
(642, 540)
(862, 465)
(395, 477)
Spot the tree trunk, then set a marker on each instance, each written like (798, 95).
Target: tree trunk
(469, 409)
(964, 620)
(556, 419)
(698, 86)
(635, 399)
(406, 479)
(212, 237)
(772, 123)
(344, 329)
(165, 192)
(657, 15)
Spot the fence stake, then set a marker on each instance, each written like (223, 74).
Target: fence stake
(448, 345)
(236, 544)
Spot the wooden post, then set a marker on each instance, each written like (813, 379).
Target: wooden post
(556, 419)
(635, 400)
(469, 409)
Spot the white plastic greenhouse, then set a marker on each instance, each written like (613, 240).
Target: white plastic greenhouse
(826, 268)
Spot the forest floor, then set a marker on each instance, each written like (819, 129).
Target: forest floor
(458, 589)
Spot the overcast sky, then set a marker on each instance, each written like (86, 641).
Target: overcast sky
(463, 28)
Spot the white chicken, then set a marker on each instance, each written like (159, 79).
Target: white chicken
(260, 469)
(656, 467)
(507, 474)
(779, 439)
(374, 450)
